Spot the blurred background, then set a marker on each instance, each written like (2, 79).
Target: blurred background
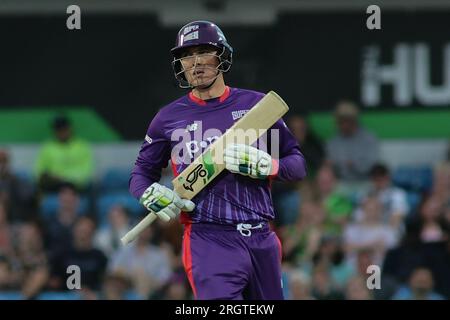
(370, 110)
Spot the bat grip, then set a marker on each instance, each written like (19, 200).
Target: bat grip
(133, 233)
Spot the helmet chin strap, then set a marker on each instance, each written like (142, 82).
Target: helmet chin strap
(211, 84)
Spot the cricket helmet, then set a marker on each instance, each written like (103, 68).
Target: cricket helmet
(201, 33)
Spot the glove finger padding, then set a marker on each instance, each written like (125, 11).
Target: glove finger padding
(169, 212)
(177, 201)
(163, 216)
(188, 205)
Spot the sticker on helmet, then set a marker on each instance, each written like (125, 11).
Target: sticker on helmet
(189, 29)
(191, 36)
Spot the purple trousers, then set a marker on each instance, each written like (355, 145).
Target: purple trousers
(232, 262)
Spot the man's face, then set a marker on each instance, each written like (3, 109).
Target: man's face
(68, 199)
(421, 281)
(83, 232)
(63, 134)
(347, 125)
(326, 180)
(381, 181)
(30, 237)
(200, 65)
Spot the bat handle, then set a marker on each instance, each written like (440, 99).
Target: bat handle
(133, 233)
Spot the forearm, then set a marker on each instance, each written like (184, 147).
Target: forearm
(140, 181)
(35, 281)
(291, 168)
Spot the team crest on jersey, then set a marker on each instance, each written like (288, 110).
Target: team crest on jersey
(238, 114)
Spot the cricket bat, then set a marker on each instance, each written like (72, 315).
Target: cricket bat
(206, 167)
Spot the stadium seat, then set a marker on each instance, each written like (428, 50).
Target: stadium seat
(107, 201)
(49, 205)
(25, 176)
(12, 295)
(417, 178)
(414, 199)
(115, 180)
(285, 282)
(51, 295)
(132, 295)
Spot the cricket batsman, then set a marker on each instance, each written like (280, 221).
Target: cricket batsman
(229, 251)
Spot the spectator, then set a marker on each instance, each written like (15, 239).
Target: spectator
(5, 231)
(176, 288)
(441, 181)
(413, 253)
(30, 260)
(338, 207)
(431, 225)
(65, 159)
(331, 256)
(116, 286)
(108, 237)
(59, 228)
(366, 258)
(310, 144)
(421, 285)
(301, 241)
(370, 232)
(322, 286)
(299, 286)
(171, 233)
(447, 214)
(393, 199)
(91, 261)
(15, 193)
(353, 151)
(147, 265)
(286, 196)
(8, 279)
(357, 289)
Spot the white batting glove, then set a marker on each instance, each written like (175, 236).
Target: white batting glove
(165, 203)
(247, 160)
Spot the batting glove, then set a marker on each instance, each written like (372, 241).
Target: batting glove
(165, 203)
(249, 161)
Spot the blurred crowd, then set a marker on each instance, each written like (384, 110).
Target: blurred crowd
(38, 245)
(353, 212)
(350, 213)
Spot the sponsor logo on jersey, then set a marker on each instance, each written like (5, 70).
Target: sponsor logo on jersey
(194, 146)
(238, 114)
(148, 139)
(192, 127)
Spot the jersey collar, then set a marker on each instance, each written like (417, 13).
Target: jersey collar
(202, 102)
